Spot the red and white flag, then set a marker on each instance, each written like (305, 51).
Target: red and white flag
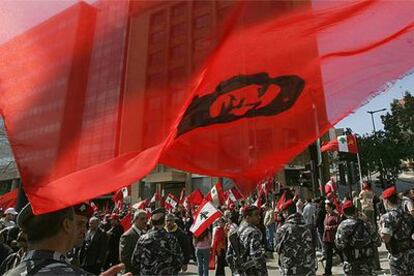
(156, 197)
(204, 217)
(182, 196)
(140, 205)
(94, 207)
(195, 198)
(347, 143)
(171, 201)
(216, 194)
(234, 194)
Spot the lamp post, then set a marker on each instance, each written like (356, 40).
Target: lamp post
(372, 117)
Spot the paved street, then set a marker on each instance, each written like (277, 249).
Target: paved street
(336, 270)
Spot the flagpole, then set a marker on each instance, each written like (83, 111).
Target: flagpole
(360, 171)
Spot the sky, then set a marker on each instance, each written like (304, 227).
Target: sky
(27, 13)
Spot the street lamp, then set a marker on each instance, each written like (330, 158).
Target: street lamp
(372, 116)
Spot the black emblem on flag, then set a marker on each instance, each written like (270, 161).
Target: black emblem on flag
(198, 112)
(203, 215)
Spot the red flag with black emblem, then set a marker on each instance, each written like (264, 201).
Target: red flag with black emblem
(233, 89)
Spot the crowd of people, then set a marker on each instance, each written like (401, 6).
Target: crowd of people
(80, 241)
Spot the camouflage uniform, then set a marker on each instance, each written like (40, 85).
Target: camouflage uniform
(295, 245)
(45, 262)
(400, 226)
(157, 253)
(357, 239)
(254, 259)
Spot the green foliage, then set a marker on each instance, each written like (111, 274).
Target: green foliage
(383, 151)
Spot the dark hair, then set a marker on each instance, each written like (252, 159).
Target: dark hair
(44, 226)
(158, 222)
(350, 211)
(394, 199)
(330, 204)
(249, 210)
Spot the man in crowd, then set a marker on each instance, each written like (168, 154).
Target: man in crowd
(331, 223)
(270, 224)
(295, 243)
(92, 254)
(158, 252)
(356, 239)
(397, 228)
(130, 238)
(8, 220)
(50, 236)
(183, 240)
(114, 235)
(366, 197)
(407, 203)
(250, 237)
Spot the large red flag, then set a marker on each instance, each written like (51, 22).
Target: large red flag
(195, 198)
(9, 199)
(233, 89)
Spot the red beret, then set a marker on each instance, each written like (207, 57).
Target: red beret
(347, 204)
(286, 205)
(389, 192)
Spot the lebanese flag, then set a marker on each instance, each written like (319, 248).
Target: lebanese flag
(196, 198)
(281, 201)
(263, 82)
(155, 198)
(216, 194)
(234, 194)
(204, 217)
(118, 199)
(140, 205)
(182, 196)
(94, 207)
(126, 221)
(347, 143)
(171, 201)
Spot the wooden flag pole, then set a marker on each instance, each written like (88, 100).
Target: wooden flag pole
(360, 171)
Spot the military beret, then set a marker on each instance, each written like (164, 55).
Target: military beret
(158, 213)
(286, 205)
(170, 216)
(389, 192)
(347, 204)
(24, 215)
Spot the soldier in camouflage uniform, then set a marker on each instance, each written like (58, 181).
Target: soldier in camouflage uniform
(251, 259)
(357, 240)
(50, 236)
(397, 230)
(295, 244)
(158, 252)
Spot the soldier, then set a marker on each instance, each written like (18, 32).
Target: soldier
(295, 244)
(248, 258)
(158, 252)
(397, 228)
(50, 236)
(357, 240)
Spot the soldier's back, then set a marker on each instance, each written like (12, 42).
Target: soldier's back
(159, 253)
(251, 239)
(295, 246)
(400, 226)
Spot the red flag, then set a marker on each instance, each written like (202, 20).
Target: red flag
(126, 222)
(155, 198)
(94, 207)
(194, 96)
(281, 201)
(140, 205)
(118, 199)
(9, 199)
(182, 196)
(195, 198)
(330, 146)
(171, 201)
(204, 217)
(234, 194)
(216, 194)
